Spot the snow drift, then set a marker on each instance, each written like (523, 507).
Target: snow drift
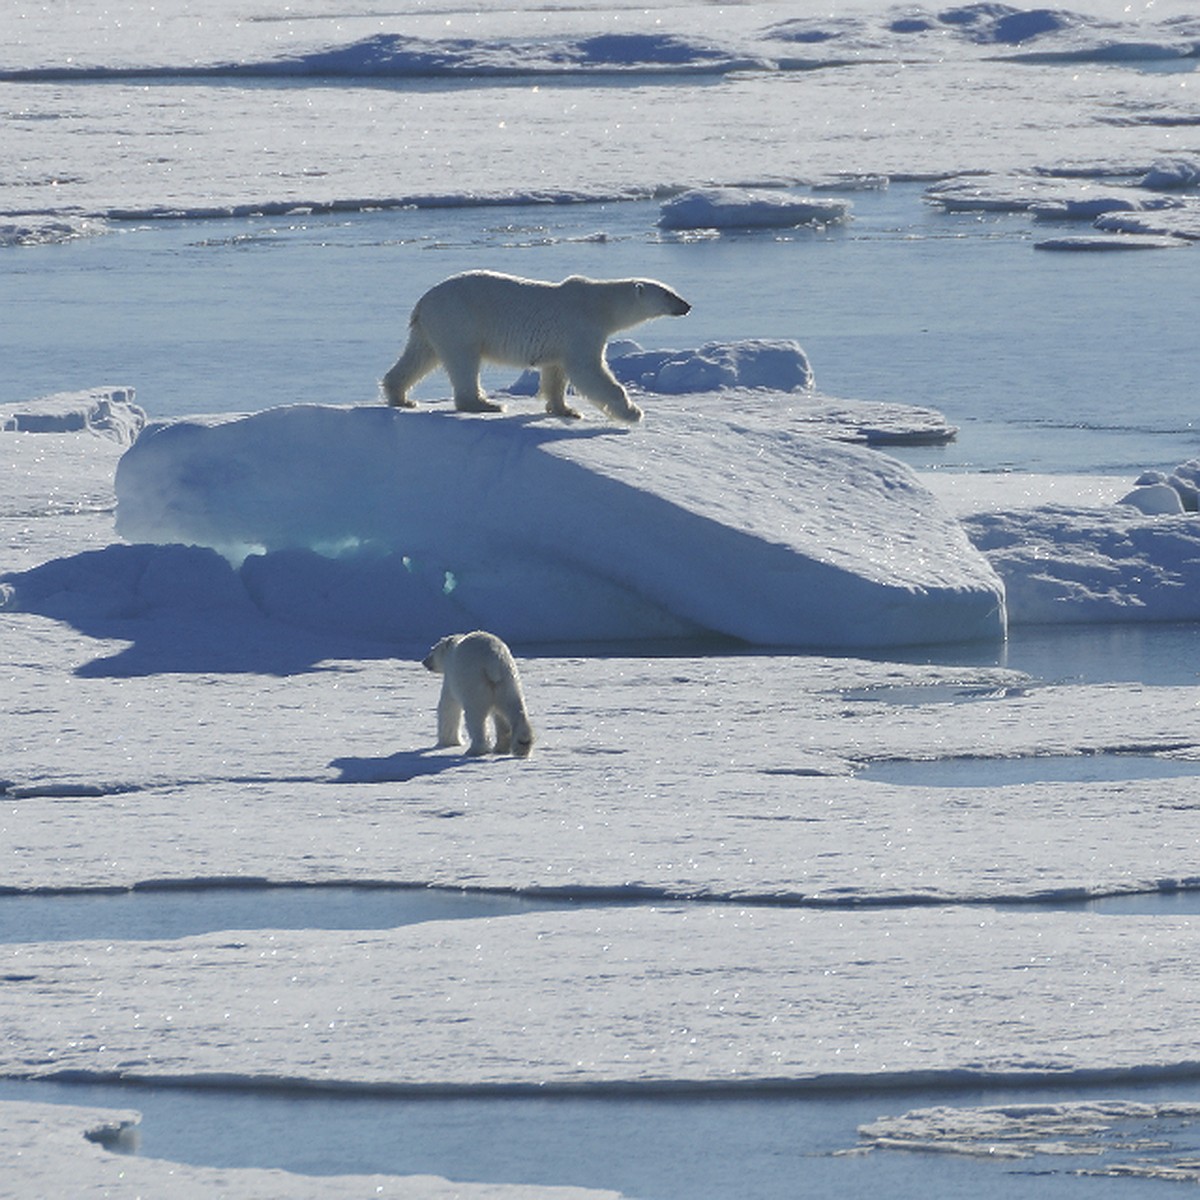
(700, 522)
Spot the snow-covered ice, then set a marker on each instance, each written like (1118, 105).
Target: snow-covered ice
(1085, 564)
(775, 364)
(654, 996)
(1074, 86)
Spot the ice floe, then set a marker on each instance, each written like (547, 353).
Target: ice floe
(660, 997)
(741, 208)
(1118, 1138)
(1137, 560)
(64, 1150)
(1181, 222)
(156, 743)
(40, 229)
(717, 518)
(107, 411)
(777, 364)
(1128, 214)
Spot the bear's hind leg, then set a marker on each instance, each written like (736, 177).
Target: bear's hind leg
(594, 380)
(477, 732)
(418, 359)
(553, 389)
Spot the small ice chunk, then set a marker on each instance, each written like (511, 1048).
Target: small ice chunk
(1185, 479)
(1154, 499)
(779, 364)
(1172, 173)
(1111, 242)
(107, 411)
(741, 208)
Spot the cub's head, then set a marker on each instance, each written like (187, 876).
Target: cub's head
(435, 660)
(657, 300)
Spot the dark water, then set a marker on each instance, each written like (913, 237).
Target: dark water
(1045, 362)
(698, 1147)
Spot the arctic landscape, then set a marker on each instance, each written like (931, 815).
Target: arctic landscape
(858, 847)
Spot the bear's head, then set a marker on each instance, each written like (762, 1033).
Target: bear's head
(435, 660)
(657, 300)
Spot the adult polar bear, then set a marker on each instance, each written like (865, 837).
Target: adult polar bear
(560, 328)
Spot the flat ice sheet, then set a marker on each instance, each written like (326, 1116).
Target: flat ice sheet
(685, 776)
(651, 996)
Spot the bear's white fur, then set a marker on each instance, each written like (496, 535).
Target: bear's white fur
(479, 680)
(559, 328)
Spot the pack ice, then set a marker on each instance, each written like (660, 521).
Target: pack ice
(710, 518)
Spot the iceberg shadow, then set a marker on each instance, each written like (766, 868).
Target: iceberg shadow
(179, 609)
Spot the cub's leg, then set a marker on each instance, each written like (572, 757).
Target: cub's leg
(553, 389)
(593, 379)
(449, 718)
(418, 359)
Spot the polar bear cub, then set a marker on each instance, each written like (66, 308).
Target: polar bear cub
(479, 680)
(559, 328)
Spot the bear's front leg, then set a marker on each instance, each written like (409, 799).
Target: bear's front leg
(449, 718)
(594, 380)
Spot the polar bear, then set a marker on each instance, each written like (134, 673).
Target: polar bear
(560, 328)
(479, 679)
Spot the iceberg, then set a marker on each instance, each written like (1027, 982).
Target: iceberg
(717, 518)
